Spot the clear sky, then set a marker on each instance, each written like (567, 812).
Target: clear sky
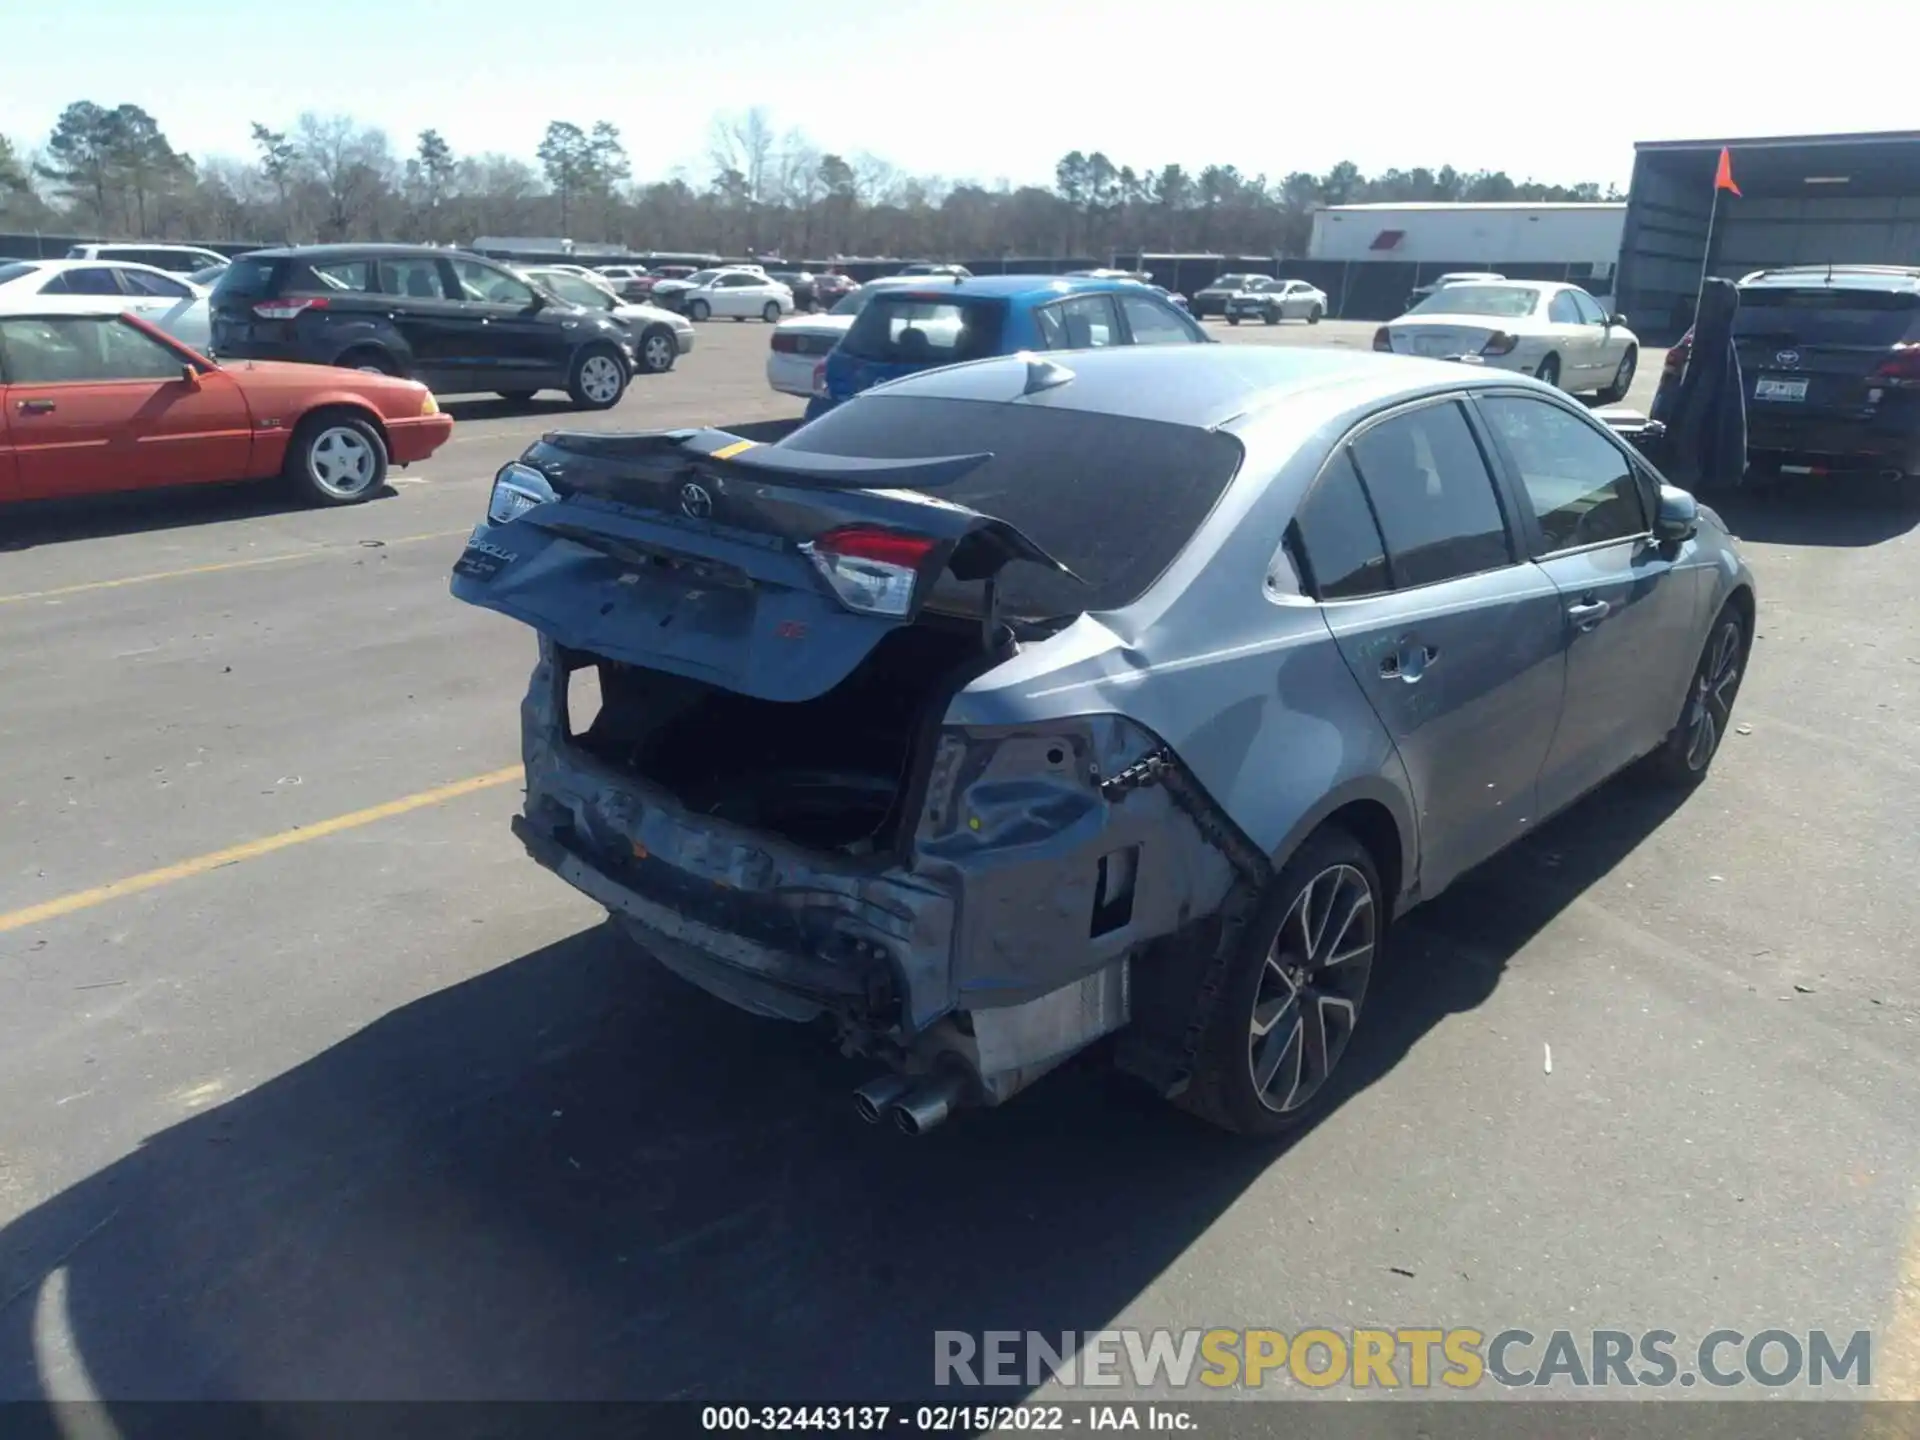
(985, 89)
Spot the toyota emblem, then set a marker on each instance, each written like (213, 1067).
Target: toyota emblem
(695, 500)
(1789, 358)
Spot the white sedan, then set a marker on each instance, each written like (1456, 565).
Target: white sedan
(1272, 301)
(1557, 333)
(739, 294)
(165, 301)
(660, 336)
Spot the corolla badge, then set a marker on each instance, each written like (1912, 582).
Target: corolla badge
(695, 500)
(1788, 358)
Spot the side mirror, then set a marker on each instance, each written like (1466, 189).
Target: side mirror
(1678, 516)
(1617, 319)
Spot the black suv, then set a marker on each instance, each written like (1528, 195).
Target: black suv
(1830, 356)
(455, 322)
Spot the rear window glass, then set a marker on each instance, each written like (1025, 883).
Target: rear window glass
(1113, 498)
(246, 280)
(1826, 317)
(16, 270)
(1510, 301)
(903, 330)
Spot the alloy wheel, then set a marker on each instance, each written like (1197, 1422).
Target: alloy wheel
(341, 462)
(600, 378)
(1623, 377)
(1714, 689)
(657, 353)
(1308, 999)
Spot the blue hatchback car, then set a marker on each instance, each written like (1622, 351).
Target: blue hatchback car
(904, 331)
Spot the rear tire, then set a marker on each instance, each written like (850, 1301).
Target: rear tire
(1233, 319)
(771, 314)
(1258, 1069)
(1622, 378)
(698, 310)
(598, 379)
(370, 361)
(1687, 753)
(335, 458)
(1272, 317)
(1549, 371)
(1314, 315)
(658, 350)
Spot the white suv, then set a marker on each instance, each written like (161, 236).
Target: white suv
(175, 259)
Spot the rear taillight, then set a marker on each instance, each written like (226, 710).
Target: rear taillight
(1901, 369)
(1676, 360)
(820, 379)
(287, 309)
(872, 571)
(1382, 340)
(1500, 343)
(786, 344)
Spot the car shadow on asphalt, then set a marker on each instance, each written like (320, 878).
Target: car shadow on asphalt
(1809, 510)
(139, 512)
(574, 1176)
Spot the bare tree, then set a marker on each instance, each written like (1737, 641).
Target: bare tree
(746, 144)
(352, 167)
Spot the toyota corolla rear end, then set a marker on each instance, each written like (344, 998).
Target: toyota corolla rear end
(737, 735)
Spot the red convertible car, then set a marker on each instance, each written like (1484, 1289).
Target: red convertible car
(94, 401)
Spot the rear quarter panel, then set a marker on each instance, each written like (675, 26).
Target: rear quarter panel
(280, 399)
(1228, 664)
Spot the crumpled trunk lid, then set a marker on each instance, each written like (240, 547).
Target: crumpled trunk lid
(681, 551)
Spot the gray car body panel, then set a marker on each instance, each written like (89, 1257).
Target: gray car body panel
(1223, 666)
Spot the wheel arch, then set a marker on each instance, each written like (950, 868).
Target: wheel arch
(367, 343)
(1377, 816)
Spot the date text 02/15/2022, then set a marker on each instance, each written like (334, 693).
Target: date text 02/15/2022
(944, 1419)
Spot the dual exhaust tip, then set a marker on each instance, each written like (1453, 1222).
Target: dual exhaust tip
(914, 1105)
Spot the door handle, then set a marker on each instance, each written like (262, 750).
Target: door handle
(1589, 613)
(1408, 663)
(37, 407)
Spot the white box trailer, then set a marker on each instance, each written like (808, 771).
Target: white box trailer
(1478, 236)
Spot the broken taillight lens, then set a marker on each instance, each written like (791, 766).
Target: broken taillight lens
(1382, 339)
(870, 570)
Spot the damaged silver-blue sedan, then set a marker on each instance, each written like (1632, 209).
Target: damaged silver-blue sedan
(1122, 695)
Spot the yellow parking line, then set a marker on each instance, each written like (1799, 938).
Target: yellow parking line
(222, 565)
(250, 850)
(1896, 1360)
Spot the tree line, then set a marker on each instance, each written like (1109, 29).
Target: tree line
(112, 172)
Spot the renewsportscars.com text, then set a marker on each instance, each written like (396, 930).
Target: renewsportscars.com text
(1409, 1358)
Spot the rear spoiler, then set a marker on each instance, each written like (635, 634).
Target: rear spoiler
(724, 453)
(886, 492)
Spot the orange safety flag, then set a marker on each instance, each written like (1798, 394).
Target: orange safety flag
(1723, 177)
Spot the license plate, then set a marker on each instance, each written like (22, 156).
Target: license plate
(1780, 387)
(1425, 345)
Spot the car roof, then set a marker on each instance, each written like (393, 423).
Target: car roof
(1900, 278)
(1205, 386)
(94, 263)
(347, 248)
(1034, 288)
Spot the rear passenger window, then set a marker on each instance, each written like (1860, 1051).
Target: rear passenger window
(418, 279)
(1562, 311)
(89, 280)
(1580, 485)
(1335, 542)
(1084, 322)
(1155, 324)
(1433, 495)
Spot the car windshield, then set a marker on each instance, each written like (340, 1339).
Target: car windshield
(1506, 301)
(910, 329)
(849, 303)
(1150, 485)
(16, 270)
(1231, 282)
(701, 277)
(1819, 316)
(207, 274)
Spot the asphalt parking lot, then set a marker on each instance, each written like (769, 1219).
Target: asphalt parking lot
(345, 1097)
